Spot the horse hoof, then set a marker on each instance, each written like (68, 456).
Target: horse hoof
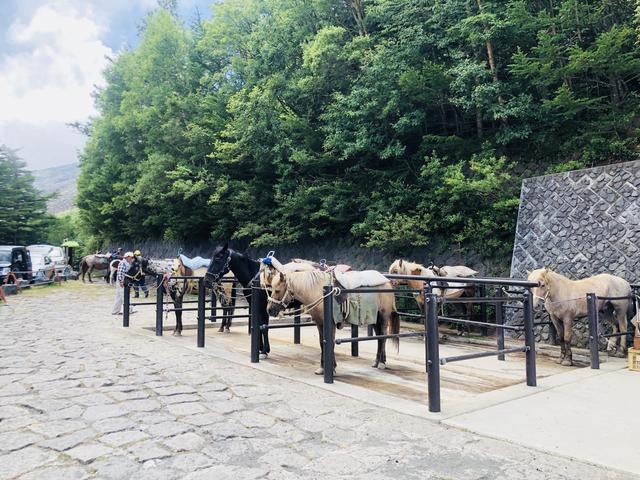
(374, 365)
(567, 362)
(263, 355)
(319, 371)
(221, 329)
(382, 366)
(620, 354)
(177, 334)
(559, 360)
(226, 330)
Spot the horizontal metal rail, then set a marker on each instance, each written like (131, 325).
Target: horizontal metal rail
(287, 325)
(468, 280)
(616, 334)
(514, 307)
(481, 324)
(378, 337)
(479, 300)
(470, 356)
(628, 297)
(414, 315)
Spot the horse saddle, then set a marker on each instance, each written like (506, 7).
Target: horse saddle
(195, 262)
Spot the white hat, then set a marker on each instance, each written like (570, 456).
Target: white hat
(128, 254)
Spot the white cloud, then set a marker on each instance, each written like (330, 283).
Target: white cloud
(52, 73)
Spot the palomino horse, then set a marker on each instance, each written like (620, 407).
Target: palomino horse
(224, 292)
(307, 288)
(99, 262)
(565, 300)
(403, 267)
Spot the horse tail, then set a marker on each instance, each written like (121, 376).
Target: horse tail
(395, 328)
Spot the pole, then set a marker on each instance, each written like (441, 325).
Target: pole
(500, 321)
(433, 350)
(354, 345)
(296, 329)
(592, 315)
(529, 338)
(254, 324)
(483, 311)
(125, 304)
(159, 305)
(202, 298)
(327, 334)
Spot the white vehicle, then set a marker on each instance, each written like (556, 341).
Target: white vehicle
(56, 256)
(42, 266)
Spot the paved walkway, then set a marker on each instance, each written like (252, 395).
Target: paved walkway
(80, 397)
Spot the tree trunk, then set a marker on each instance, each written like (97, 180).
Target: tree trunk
(357, 10)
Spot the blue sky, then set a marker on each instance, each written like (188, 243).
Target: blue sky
(52, 53)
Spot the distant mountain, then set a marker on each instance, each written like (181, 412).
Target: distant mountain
(62, 180)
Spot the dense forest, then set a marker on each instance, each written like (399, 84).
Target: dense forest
(389, 123)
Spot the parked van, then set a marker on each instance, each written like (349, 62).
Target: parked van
(16, 259)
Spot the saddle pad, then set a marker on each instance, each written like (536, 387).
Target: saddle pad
(457, 271)
(195, 262)
(364, 278)
(359, 309)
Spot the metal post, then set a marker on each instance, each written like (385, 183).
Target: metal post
(370, 330)
(296, 329)
(159, 305)
(592, 315)
(202, 298)
(214, 304)
(327, 334)
(254, 325)
(433, 350)
(125, 304)
(483, 311)
(354, 345)
(500, 321)
(529, 338)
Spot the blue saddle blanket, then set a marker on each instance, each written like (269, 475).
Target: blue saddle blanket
(195, 262)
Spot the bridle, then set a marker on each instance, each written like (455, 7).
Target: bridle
(225, 269)
(284, 301)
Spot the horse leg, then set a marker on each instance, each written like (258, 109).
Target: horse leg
(567, 334)
(381, 354)
(320, 371)
(621, 317)
(265, 348)
(229, 311)
(557, 323)
(177, 304)
(89, 273)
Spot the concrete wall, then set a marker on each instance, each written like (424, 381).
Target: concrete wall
(580, 223)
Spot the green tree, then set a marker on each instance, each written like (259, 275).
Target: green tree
(23, 217)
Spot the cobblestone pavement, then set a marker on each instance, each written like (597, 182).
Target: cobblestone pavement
(81, 397)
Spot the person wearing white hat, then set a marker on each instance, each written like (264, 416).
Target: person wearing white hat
(123, 268)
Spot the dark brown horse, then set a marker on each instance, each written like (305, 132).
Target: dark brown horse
(95, 261)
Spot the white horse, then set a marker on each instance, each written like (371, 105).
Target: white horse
(565, 300)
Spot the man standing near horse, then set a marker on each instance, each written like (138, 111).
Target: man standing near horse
(139, 284)
(123, 268)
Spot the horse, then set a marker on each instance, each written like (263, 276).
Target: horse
(113, 270)
(224, 292)
(565, 300)
(403, 267)
(99, 262)
(245, 269)
(307, 287)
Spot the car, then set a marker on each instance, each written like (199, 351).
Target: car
(15, 259)
(56, 254)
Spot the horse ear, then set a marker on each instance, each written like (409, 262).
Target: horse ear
(281, 275)
(400, 263)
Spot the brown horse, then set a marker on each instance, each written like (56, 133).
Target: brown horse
(403, 267)
(565, 300)
(95, 261)
(224, 291)
(307, 288)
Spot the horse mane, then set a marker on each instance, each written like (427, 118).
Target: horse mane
(306, 281)
(406, 267)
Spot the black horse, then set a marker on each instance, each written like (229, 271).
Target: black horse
(245, 270)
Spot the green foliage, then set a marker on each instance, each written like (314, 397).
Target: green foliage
(23, 217)
(279, 121)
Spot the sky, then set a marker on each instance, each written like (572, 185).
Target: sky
(52, 55)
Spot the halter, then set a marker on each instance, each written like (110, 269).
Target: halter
(225, 269)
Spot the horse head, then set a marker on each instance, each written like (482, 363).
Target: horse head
(280, 296)
(541, 292)
(219, 265)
